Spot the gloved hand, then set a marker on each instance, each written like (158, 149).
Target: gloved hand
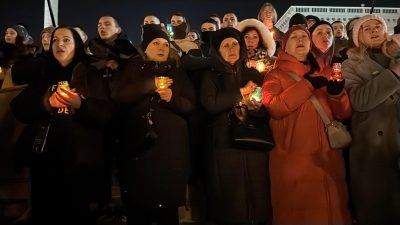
(316, 81)
(335, 87)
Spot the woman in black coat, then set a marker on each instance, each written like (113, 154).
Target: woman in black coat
(153, 173)
(237, 179)
(63, 139)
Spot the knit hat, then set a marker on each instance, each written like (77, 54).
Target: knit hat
(359, 23)
(291, 30)
(312, 17)
(265, 36)
(151, 32)
(23, 33)
(48, 30)
(297, 19)
(317, 24)
(224, 33)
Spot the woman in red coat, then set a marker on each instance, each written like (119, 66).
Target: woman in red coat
(307, 175)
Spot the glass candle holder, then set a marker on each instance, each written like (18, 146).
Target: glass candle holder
(260, 66)
(162, 82)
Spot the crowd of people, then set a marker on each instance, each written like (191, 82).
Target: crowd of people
(160, 113)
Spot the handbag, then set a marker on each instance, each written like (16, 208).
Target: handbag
(249, 133)
(338, 136)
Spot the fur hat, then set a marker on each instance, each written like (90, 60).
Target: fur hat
(359, 23)
(151, 32)
(297, 19)
(224, 33)
(266, 37)
(294, 28)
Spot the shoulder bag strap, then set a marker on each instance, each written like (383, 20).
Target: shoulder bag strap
(315, 102)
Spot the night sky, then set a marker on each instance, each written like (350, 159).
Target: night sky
(131, 13)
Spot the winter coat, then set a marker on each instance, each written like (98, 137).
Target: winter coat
(66, 176)
(153, 175)
(307, 176)
(24, 71)
(374, 92)
(237, 180)
(75, 137)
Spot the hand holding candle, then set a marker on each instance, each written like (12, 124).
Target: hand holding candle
(68, 97)
(163, 82)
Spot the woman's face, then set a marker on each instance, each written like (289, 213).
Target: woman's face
(192, 36)
(230, 50)
(63, 46)
(322, 37)
(46, 40)
(10, 36)
(251, 39)
(372, 34)
(267, 15)
(298, 45)
(158, 50)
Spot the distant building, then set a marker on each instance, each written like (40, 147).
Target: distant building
(344, 14)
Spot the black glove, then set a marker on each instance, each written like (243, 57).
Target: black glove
(317, 81)
(335, 87)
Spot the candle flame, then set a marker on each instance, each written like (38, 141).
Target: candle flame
(260, 66)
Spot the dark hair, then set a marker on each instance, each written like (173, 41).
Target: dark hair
(247, 29)
(179, 14)
(337, 21)
(79, 54)
(115, 19)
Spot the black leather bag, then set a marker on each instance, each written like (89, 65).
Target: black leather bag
(249, 132)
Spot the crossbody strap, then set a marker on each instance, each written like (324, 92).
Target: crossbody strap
(315, 102)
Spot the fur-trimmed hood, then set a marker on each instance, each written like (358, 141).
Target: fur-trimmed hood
(266, 37)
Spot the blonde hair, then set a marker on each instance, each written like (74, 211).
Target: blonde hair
(265, 5)
(361, 50)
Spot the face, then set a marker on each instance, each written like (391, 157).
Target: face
(108, 28)
(230, 20)
(63, 46)
(252, 39)
(230, 50)
(322, 37)
(338, 30)
(267, 15)
(151, 20)
(310, 22)
(46, 41)
(298, 45)
(176, 20)
(372, 33)
(192, 36)
(10, 36)
(158, 50)
(208, 27)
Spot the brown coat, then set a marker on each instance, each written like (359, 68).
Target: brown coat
(307, 176)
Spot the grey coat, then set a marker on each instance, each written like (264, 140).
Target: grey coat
(374, 92)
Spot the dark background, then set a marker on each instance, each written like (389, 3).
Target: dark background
(130, 14)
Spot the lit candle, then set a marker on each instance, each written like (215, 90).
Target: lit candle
(272, 34)
(256, 95)
(260, 66)
(162, 82)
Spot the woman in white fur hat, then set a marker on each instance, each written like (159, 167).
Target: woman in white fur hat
(373, 83)
(260, 44)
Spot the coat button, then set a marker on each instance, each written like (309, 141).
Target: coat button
(380, 133)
